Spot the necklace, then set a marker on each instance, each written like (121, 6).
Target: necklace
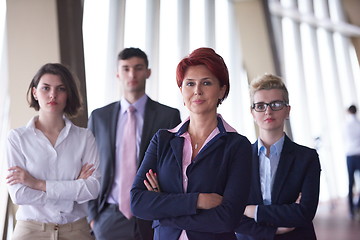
(196, 146)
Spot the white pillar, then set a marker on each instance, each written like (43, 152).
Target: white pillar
(333, 97)
(316, 96)
(210, 16)
(294, 78)
(350, 94)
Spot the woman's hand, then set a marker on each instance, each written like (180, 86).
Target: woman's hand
(298, 200)
(208, 200)
(152, 183)
(283, 230)
(250, 211)
(86, 171)
(19, 175)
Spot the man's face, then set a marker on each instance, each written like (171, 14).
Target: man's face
(133, 73)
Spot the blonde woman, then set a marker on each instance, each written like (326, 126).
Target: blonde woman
(286, 176)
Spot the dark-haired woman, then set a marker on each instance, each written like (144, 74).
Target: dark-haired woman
(52, 163)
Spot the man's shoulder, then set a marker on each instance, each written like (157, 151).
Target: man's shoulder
(160, 106)
(106, 108)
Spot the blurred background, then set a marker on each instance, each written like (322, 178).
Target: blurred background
(313, 44)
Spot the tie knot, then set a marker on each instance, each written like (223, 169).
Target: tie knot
(131, 109)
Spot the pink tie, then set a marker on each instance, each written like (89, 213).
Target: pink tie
(127, 163)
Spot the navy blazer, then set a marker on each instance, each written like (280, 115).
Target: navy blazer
(222, 166)
(298, 172)
(103, 124)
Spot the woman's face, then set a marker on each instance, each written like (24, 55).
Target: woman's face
(270, 120)
(201, 90)
(51, 94)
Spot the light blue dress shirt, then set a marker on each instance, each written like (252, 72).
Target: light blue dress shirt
(267, 168)
(268, 165)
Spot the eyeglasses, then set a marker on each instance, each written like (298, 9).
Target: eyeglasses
(275, 106)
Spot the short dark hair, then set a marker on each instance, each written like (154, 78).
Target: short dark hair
(209, 58)
(73, 102)
(352, 109)
(127, 53)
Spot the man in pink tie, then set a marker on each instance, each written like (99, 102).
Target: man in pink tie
(123, 130)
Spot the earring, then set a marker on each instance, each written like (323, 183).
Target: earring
(35, 98)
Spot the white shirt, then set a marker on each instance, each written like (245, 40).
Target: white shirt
(352, 135)
(65, 199)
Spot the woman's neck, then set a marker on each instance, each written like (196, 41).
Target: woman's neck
(201, 126)
(268, 138)
(50, 125)
(199, 130)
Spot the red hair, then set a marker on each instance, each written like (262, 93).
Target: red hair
(213, 61)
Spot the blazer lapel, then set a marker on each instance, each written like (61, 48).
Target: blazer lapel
(177, 144)
(256, 174)
(285, 163)
(113, 120)
(149, 118)
(214, 143)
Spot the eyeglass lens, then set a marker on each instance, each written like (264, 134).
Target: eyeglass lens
(275, 106)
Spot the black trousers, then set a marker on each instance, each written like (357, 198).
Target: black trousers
(353, 164)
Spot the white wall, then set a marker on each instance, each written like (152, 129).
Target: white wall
(32, 41)
(255, 42)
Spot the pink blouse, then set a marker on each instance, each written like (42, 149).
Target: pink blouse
(187, 153)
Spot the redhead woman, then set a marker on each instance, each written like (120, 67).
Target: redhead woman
(194, 180)
(52, 163)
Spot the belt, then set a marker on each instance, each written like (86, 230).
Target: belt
(111, 206)
(67, 227)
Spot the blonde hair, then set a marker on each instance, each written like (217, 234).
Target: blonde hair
(267, 82)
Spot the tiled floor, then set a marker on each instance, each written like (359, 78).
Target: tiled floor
(332, 222)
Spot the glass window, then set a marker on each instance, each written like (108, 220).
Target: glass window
(320, 68)
(166, 31)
